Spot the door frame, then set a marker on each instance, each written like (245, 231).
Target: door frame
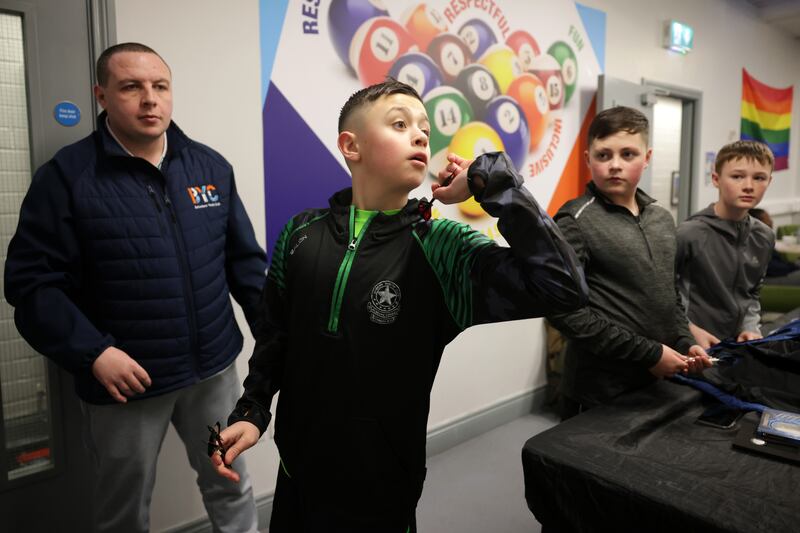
(690, 162)
(63, 485)
(36, 138)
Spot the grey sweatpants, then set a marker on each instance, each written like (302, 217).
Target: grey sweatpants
(124, 441)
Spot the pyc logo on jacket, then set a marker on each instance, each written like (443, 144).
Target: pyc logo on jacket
(203, 196)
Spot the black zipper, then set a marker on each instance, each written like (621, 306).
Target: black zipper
(638, 219)
(740, 310)
(187, 282)
(152, 193)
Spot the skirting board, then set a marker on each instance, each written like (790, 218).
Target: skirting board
(439, 440)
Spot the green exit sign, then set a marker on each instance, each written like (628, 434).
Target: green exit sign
(678, 37)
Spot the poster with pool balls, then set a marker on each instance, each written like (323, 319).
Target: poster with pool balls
(493, 75)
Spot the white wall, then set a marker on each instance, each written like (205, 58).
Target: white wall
(213, 49)
(728, 36)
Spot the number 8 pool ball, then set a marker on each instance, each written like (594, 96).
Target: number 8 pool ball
(478, 85)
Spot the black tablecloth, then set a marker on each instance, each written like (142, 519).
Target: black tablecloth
(643, 464)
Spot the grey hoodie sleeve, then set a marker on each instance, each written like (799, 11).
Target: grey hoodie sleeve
(752, 316)
(591, 328)
(683, 255)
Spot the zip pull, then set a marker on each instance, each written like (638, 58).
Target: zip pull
(168, 202)
(352, 245)
(152, 194)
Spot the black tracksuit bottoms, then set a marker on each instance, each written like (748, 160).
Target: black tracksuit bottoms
(292, 513)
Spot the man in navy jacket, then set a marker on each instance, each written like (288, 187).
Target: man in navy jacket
(129, 245)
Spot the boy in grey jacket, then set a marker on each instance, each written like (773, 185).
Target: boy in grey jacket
(634, 329)
(723, 252)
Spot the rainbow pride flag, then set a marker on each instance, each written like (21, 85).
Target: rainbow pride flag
(767, 116)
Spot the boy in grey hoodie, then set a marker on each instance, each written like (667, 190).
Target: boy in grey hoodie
(723, 252)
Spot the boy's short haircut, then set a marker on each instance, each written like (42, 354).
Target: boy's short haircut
(616, 119)
(370, 94)
(750, 150)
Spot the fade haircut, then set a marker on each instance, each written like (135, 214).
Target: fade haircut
(616, 119)
(749, 150)
(369, 94)
(101, 70)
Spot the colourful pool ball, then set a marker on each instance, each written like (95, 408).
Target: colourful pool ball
(450, 53)
(506, 117)
(447, 110)
(469, 142)
(470, 208)
(375, 47)
(529, 92)
(478, 35)
(424, 23)
(344, 19)
(502, 62)
(474, 139)
(563, 53)
(478, 85)
(418, 70)
(525, 46)
(547, 69)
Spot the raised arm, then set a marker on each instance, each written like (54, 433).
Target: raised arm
(484, 282)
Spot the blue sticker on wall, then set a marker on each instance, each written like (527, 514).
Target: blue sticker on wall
(67, 113)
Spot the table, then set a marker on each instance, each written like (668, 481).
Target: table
(642, 464)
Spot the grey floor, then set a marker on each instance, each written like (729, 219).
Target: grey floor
(477, 486)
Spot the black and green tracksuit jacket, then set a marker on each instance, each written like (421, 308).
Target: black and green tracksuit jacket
(352, 331)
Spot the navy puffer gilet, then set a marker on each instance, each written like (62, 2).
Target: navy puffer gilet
(111, 250)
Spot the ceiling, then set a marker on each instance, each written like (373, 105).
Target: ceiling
(783, 14)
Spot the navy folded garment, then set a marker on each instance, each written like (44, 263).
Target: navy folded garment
(755, 374)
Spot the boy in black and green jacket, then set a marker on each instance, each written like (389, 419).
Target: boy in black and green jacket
(361, 300)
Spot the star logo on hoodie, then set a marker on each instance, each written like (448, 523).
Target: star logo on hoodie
(384, 302)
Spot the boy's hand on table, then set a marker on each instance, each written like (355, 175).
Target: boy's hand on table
(236, 438)
(455, 190)
(703, 337)
(749, 336)
(671, 363)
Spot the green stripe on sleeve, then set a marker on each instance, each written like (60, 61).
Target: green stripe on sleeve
(451, 249)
